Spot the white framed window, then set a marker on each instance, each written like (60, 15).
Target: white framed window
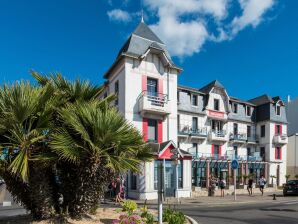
(216, 104)
(277, 110)
(235, 108)
(248, 111)
(194, 100)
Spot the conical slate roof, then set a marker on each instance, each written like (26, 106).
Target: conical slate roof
(208, 87)
(139, 42)
(144, 31)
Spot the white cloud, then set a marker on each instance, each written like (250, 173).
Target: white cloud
(185, 25)
(119, 15)
(185, 38)
(253, 11)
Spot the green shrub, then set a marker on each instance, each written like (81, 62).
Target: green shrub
(129, 206)
(173, 217)
(148, 217)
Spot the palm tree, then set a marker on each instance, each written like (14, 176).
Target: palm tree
(98, 143)
(25, 113)
(72, 91)
(287, 176)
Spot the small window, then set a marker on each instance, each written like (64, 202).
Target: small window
(278, 153)
(263, 128)
(235, 108)
(178, 97)
(152, 130)
(278, 110)
(235, 128)
(248, 111)
(248, 131)
(116, 92)
(194, 100)
(278, 129)
(194, 123)
(216, 104)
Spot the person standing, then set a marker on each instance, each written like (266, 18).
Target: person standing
(249, 186)
(262, 182)
(222, 185)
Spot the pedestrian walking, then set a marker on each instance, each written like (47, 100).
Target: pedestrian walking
(249, 186)
(222, 186)
(262, 182)
(118, 197)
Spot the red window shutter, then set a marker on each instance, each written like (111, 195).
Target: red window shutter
(212, 149)
(160, 86)
(145, 129)
(159, 131)
(144, 83)
(219, 152)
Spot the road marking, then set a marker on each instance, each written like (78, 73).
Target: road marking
(291, 203)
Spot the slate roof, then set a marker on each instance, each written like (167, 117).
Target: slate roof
(237, 100)
(190, 89)
(142, 39)
(260, 100)
(208, 87)
(144, 31)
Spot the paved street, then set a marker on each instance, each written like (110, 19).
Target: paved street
(246, 210)
(279, 212)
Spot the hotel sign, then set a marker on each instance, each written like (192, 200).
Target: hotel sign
(217, 114)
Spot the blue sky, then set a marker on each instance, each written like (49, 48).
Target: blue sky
(251, 48)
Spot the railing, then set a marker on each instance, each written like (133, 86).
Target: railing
(153, 102)
(219, 133)
(156, 99)
(187, 130)
(253, 138)
(238, 137)
(211, 156)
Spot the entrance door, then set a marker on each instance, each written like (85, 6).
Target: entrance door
(169, 179)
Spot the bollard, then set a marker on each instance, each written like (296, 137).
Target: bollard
(274, 196)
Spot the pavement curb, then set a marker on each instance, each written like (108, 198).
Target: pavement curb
(191, 220)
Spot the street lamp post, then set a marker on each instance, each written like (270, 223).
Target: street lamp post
(160, 191)
(175, 157)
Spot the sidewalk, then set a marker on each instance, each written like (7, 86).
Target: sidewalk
(228, 199)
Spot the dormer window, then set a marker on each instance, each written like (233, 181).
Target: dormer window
(235, 108)
(216, 104)
(194, 100)
(278, 110)
(248, 111)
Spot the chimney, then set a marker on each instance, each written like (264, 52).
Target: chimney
(289, 98)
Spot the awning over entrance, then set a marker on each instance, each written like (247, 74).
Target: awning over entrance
(163, 150)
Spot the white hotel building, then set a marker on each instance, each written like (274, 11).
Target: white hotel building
(209, 127)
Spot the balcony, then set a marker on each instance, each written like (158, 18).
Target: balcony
(251, 158)
(280, 139)
(208, 156)
(153, 103)
(220, 136)
(253, 139)
(238, 138)
(199, 133)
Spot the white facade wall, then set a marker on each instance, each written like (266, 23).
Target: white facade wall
(292, 156)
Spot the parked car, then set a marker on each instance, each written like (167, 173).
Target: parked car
(291, 188)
